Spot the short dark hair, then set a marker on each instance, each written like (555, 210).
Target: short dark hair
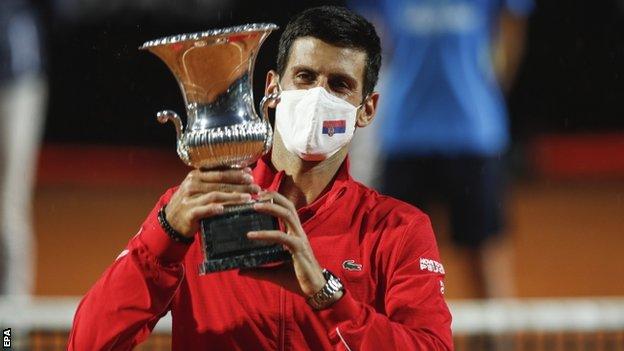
(336, 26)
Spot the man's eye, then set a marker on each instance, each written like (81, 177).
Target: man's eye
(305, 77)
(340, 86)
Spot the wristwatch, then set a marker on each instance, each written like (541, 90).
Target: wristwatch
(328, 294)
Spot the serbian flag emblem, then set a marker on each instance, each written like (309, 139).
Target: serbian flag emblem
(332, 127)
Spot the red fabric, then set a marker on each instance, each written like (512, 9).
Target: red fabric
(393, 303)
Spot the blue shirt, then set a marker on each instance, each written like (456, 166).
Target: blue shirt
(442, 96)
(20, 51)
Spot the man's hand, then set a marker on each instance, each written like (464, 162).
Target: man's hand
(307, 270)
(203, 193)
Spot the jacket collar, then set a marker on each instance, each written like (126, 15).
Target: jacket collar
(270, 179)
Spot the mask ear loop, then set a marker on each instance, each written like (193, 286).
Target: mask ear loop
(363, 101)
(279, 86)
(358, 107)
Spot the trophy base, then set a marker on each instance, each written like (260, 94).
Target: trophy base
(247, 260)
(225, 243)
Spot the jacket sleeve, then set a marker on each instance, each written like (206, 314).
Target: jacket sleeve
(416, 316)
(123, 306)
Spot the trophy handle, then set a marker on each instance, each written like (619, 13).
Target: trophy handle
(264, 105)
(264, 114)
(168, 115)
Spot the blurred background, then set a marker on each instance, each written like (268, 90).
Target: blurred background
(78, 117)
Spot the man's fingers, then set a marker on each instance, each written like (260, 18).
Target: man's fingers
(207, 211)
(289, 217)
(230, 176)
(279, 199)
(202, 188)
(220, 197)
(231, 180)
(275, 237)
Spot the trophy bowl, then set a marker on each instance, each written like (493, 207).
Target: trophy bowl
(214, 70)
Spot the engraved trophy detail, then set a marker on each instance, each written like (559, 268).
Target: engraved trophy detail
(214, 70)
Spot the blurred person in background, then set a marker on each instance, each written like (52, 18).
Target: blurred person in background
(444, 132)
(22, 99)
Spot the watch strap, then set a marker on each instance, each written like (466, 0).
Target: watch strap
(327, 295)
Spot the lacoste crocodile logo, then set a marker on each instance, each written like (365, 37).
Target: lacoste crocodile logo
(350, 265)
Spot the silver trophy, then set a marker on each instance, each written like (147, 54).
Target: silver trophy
(215, 69)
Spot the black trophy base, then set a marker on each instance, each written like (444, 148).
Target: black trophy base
(225, 243)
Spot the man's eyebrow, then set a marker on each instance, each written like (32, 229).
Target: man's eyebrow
(302, 68)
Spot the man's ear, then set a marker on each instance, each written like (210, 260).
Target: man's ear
(368, 110)
(271, 86)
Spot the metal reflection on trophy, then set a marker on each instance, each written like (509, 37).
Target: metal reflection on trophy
(214, 70)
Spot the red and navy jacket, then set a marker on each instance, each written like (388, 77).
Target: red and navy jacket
(383, 250)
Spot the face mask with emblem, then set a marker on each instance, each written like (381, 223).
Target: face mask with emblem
(313, 123)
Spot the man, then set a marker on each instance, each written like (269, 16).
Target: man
(382, 250)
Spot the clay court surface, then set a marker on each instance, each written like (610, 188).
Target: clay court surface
(568, 235)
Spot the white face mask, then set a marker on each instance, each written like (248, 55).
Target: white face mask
(313, 123)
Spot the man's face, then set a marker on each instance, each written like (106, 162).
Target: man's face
(314, 63)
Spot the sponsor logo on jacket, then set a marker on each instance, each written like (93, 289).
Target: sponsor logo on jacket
(431, 266)
(350, 265)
